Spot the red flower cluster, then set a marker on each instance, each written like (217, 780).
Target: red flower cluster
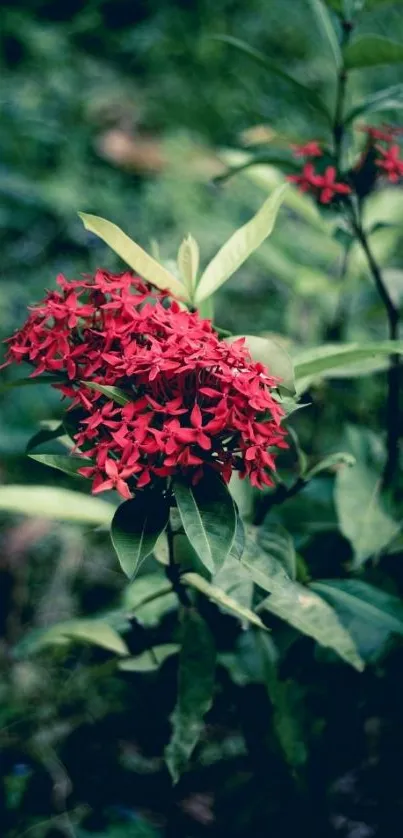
(310, 149)
(390, 162)
(192, 400)
(324, 187)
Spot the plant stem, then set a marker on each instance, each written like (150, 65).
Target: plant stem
(338, 123)
(173, 571)
(393, 378)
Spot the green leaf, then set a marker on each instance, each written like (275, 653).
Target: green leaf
(390, 98)
(206, 310)
(242, 243)
(149, 598)
(329, 462)
(207, 513)
(188, 262)
(96, 632)
(54, 503)
(307, 96)
(133, 254)
(362, 517)
(29, 382)
(298, 605)
(136, 526)
(364, 601)
(323, 360)
(327, 30)
(371, 51)
(62, 462)
(221, 599)
(45, 434)
(197, 662)
(272, 355)
(113, 393)
(276, 541)
(151, 659)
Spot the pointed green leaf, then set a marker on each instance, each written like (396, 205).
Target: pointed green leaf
(363, 601)
(307, 96)
(371, 51)
(298, 605)
(323, 360)
(362, 517)
(390, 98)
(326, 27)
(207, 513)
(45, 434)
(241, 244)
(277, 542)
(97, 632)
(136, 526)
(197, 662)
(150, 660)
(188, 262)
(270, 353)
(113, 393)
(329, 462)
(62, 462)
(54, 503)
(133, 254)
(221, 599)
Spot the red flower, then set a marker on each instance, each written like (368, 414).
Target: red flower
(329, 187)
(385, 134)
(306, 181)
(194, 402)
(311, 149)
(390, 162)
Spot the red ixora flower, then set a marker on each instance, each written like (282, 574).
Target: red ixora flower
(385, 134)
(324, 187)
(194, 402)
(310, 149)
(390, 162)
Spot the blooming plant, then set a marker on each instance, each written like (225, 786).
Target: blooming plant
(181, 423)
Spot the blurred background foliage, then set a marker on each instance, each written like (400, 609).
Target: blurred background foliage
(130, 110)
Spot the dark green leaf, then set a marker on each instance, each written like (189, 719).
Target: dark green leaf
(28, 382)
(365, 601)
(56, 504)
(362, 517)
(45, 435)
(136, 526)
(326, 28)
(197, 661)
(277, 542)
(112, 393)
(372, 50)
(62, 462)
(305, 95)
(207, 513)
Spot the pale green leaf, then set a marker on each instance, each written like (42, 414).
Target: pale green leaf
(326, 28)
(113, 393)
(62, 462)
(270, 353)
(188, 262)
(197, 662)
(136, 526)
(206, 309)
(221, 599)
(371, 51)
(150, 660)
(390, 98)
(362, 517)
(149, 598)
(207, 513)
(330, 462)
(241, 244)
(55, 503)
(278, 543)
(96, 632)
(134, 256)
(322, 360)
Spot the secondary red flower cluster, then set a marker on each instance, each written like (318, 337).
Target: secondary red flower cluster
(325, 186)
(192, 400)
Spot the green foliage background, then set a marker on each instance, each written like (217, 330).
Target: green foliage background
(320, 748)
